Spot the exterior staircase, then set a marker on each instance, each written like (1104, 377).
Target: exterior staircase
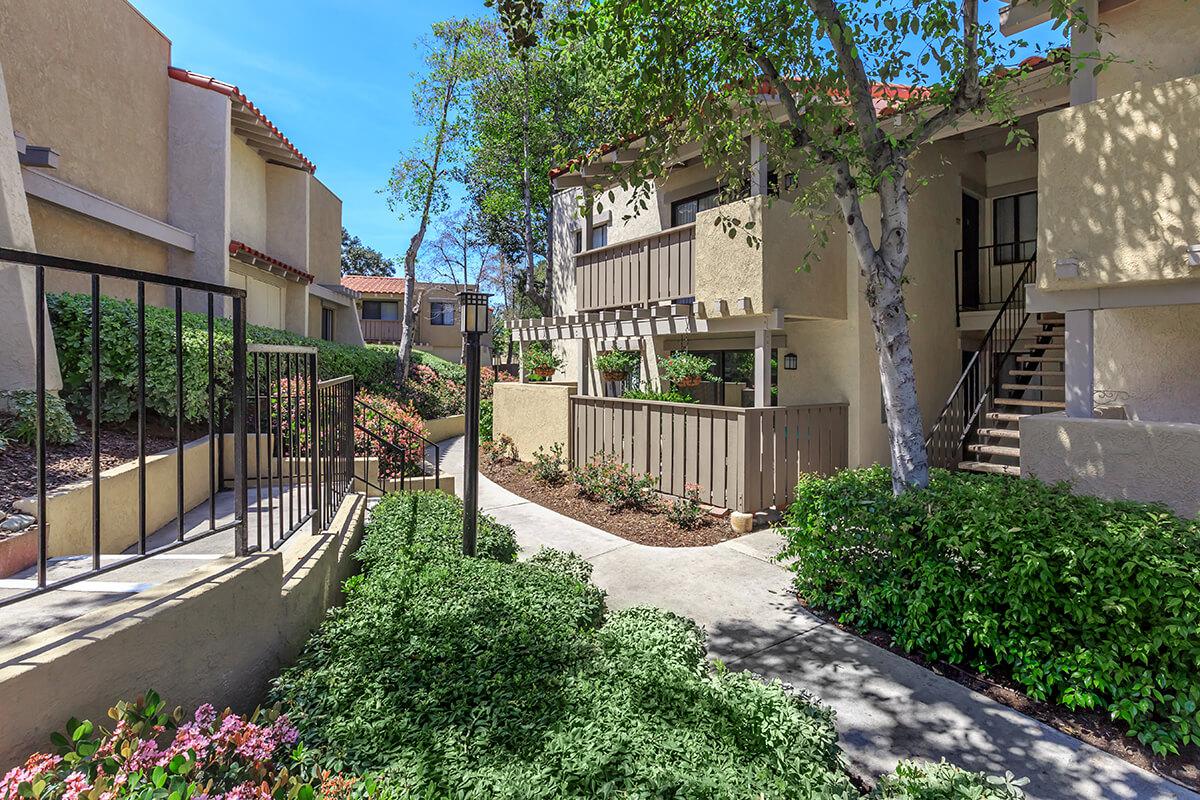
(1032, 382)
(1018, 370)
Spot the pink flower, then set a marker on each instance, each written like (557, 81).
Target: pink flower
(76, 785)
(206, 715)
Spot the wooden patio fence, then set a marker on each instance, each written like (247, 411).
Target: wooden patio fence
(745, 459)
(641, 271)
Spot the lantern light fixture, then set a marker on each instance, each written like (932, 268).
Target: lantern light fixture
(476, 316)
(790, 361)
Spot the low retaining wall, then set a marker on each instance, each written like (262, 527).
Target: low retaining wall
(217, 634)
(533, 415)
(1116, 459)
(445, 427)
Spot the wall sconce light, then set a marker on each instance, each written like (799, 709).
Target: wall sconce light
(790, 361)
(1194, 255)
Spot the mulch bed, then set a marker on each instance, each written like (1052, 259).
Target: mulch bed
(71, 463)
(1093, 727)
(637, 526)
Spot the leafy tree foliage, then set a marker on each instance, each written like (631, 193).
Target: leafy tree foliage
(827, 87)
(359, 259)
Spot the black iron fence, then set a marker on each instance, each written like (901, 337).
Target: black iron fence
(125, 282)
(984, 276)
(281, 443)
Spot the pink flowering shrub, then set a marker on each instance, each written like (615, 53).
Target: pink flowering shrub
(151, 753)
(380, 419)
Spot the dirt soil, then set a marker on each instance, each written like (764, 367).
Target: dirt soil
(637, 526)
(70, 463)
(1093, 727)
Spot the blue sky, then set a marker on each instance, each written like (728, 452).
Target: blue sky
(336, 77)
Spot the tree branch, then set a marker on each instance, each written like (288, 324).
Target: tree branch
(862, 100)
(968, 94)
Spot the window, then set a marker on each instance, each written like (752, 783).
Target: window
(380, 309)
(327, 324)
(685, 211)
(578, 241)
(1014, 228)
(599, 236)
(441, 312)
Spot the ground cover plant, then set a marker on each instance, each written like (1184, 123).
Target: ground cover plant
(1087, 603)
(490, 678)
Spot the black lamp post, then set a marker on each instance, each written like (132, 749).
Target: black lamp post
(475, 319)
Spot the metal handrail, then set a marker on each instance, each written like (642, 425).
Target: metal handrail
(437, 450)
(1008, 324)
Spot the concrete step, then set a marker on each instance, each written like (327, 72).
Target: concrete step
(1015, 401)
(1032, 347)
(1041, 387)
(1004, 416)
(1000, 433)
(994, 450)
(1040, 359)
(989, 467)
(1051, 373)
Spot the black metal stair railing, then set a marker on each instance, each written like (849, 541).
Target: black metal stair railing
(973, 396)
(424, 464)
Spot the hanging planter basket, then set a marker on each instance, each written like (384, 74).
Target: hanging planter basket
(690, 382)
(544, 372)
(614, 375)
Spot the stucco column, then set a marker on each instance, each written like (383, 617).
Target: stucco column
(759, 167)
(1080, 364)
(762, 368)
(1083, 40)
(18, 299)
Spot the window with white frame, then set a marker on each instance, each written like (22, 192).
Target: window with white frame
(381, 309)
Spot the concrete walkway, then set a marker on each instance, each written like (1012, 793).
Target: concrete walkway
(888, 708)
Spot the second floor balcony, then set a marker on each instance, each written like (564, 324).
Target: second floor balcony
(757, 270)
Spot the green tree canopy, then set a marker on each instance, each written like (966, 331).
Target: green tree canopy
(359, 259)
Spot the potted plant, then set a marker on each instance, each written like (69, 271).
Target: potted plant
(542, 361)
(615, 365)
(684, 369)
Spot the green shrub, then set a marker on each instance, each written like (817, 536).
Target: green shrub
(475, 678)
(542, 356)
(19, 415)
(379, 420)
(614, 482)
(1083, 602)
(671, 396)
(550, 468)
(922, 781)
(685, 512)
(617, 361)
(70, 314)
(570, 564)
(682, 365)
(485, 420)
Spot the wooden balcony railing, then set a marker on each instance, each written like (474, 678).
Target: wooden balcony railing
(382, 330)
(649, 269)
(745, 459)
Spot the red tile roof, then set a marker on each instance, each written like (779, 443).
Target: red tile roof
(373, 284)
(232, 92)
(244, 252)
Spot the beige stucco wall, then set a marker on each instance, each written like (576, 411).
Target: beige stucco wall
(247, 196)
(324, 233)
(1148, 361)
(445, 427)
(770, 272)
(1153, 40)
(287, 215)
(1116, 459)
(96, 91)
(429, 337)
(1119, 187)
(533, 415)
(215, 635)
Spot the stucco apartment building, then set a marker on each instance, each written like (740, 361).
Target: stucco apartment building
(128, 160)
(1054, 294)
(379, 300)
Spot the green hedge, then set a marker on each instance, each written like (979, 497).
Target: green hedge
(1083, 602)
(487, 678)
(70, 314)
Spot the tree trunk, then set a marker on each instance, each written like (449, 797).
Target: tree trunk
(883, 269)
(407, 331)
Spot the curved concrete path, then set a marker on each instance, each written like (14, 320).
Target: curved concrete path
(888, 708)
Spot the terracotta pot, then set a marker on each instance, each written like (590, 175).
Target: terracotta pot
(544, 372)
(689, 382)
(614, 375)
